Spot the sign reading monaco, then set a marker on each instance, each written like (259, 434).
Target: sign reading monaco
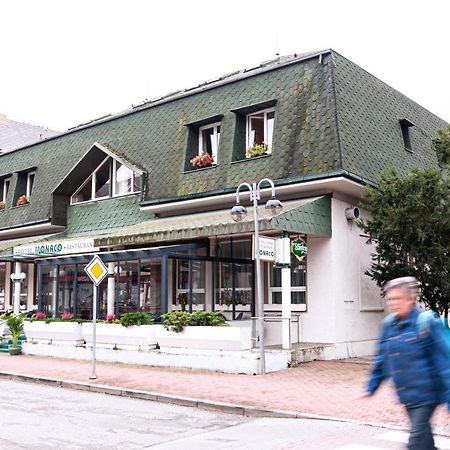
(267, 248)
(53, 248)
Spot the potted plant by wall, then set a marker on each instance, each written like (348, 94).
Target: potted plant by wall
(202, 160)
(15, 325)
(22, 200)
(2, 205)
(257, 150)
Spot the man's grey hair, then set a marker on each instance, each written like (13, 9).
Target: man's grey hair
(410, 284)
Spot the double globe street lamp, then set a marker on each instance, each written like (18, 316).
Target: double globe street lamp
(238, 214)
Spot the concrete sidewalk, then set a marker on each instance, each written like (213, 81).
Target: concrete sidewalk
(327, 389)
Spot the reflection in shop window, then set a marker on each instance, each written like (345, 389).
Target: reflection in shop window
(150, 286)
(48, 290)
(127, 289)
(197, 278)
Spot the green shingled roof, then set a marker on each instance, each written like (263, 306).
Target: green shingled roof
(330, 115)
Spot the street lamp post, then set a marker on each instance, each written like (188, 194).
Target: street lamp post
(238, 213)
(17, 278)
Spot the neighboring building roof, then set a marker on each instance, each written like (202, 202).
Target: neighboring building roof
(331, 116)
(14, 135)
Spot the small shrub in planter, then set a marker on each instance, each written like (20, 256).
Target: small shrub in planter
(15, 324)
(136, 318)
(177, 320)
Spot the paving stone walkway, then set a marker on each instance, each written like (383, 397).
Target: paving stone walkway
(323, 388)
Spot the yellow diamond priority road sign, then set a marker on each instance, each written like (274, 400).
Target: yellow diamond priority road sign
(96, 270)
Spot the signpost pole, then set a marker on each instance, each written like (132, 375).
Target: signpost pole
(94, 330)
(96, 271)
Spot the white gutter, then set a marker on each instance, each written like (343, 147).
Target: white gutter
(30, 230)
(317, 187)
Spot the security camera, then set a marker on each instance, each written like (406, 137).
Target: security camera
(352, 213)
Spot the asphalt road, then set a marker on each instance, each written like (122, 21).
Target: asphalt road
(35, 416)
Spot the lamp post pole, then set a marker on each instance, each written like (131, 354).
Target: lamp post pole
(238, 213)
(259, 297)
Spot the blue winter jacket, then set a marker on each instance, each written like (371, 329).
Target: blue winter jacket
(417, 360)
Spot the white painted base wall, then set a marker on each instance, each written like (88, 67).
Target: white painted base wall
(245, 362)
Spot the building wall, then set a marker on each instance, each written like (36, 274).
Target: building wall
(344, 304)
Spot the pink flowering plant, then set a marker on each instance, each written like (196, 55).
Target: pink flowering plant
(110, 318)
(22, 200)
(66, 315)
(40, 315)
(202, 160)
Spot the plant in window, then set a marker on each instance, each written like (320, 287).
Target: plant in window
(23, 200)
(202, 160)
(2, 205)
(257, 150)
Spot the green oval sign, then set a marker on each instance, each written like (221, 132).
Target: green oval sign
(299, 248)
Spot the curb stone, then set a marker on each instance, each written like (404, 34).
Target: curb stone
(228, 408)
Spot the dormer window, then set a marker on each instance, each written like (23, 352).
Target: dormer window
(208, 140)
(259, 129)
(405, 125)
(30, 183)
(110, 179)
(4, 188)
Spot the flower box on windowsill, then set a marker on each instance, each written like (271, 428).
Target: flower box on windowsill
(23, 200)
(202, 161)
(257, 150)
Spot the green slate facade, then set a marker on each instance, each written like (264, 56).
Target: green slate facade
(332, 118)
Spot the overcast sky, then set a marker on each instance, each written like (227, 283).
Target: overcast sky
(64, 62)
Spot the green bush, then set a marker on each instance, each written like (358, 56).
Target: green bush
(15, 325)
(136, 318)
(177, 320)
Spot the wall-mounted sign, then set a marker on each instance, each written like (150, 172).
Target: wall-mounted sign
(53, 248)
(267, 248)
(299, 249)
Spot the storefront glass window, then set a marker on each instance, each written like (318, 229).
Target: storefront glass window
(48, 290)
(198, 271)
(127, 290)
(150, 288)
(67, 294)
(84, 294)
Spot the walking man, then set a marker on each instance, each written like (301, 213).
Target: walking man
(414, 352)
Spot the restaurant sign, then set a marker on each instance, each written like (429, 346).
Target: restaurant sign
(55, 248)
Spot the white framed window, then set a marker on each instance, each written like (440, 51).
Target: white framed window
(298, 285)
(259, 128)
(30, 183)
(110, 179)
(208, 140)
(126, 181)
(4, 188)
